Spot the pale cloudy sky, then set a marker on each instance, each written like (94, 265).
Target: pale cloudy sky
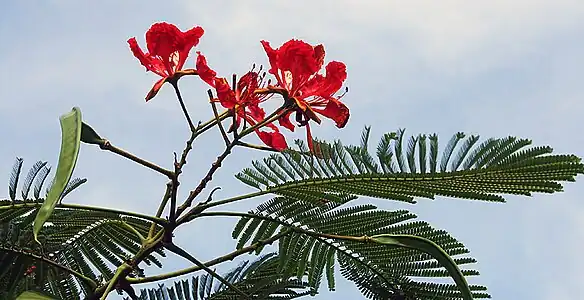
(493, 68)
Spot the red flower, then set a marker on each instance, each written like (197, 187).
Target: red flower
(243, 101)
(168, 49)
(296, 65)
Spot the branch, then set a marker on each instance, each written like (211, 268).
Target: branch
(199, 130)
(106, 145)
(361, 239)
(156, 220)
(219, 124)
(269, 119)
(317, 235)
(194, 193)
(132, 229)
(121, 271)
(182, 105)
(257, 147)
(173, 191)
(218, 260)
(199, 208)
(177, 250)
(160, 208)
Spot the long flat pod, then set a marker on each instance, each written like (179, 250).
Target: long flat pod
(70, 142)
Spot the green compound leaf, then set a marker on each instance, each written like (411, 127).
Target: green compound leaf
(70, 142)
(32, 295)
(431, 248)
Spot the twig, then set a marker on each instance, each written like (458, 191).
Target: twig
(219, 124)
(108, 146)
(201, 128)
(182, 105)
(147, 247)
(173, 192)
(269, 119)
(194, 193)
(132, 229)
(156, 220)
(257, 147)
(218, 260)
(177, 250)
(161, 207)
(234, 124)
(120, 273)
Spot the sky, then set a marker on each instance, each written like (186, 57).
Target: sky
(493, 68)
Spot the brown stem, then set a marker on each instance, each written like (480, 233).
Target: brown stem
(179, 251)
(108, 146)
(219, 124)
(147, 248)
(256, 147)
(269, 119)
(161, 208)
(182, 105)
(199, 130)
(218, 260)
(360, 239)
(208, 177)
(173, 191)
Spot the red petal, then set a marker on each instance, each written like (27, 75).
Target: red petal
(319, 56)
(205, 73)
(256, 112)
(298, 57)
(171, 45)
(336, 73)
(151, 64)
(191, 38)
(272, 56)
(273, 139)
(155, 88)
(335, 110)
(163, 40)
(284, 121)
(246, 87)
(314, 150)
(224, 93)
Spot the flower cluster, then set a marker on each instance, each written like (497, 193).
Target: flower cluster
(296, 67)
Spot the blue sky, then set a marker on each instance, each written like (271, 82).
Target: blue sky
(493, 68)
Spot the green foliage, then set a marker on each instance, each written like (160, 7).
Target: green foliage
(482, 172)
(80, 245)
(380, 271)
(313, 190)
(260, 279)
(89, 242)
(70, 142)
(429, 247)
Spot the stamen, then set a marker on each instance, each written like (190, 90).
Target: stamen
(234, 82)
(343, 94)
(173, 60)
(288, 79)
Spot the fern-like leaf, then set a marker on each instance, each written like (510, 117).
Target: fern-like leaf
(485, 172)
(380, 272)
